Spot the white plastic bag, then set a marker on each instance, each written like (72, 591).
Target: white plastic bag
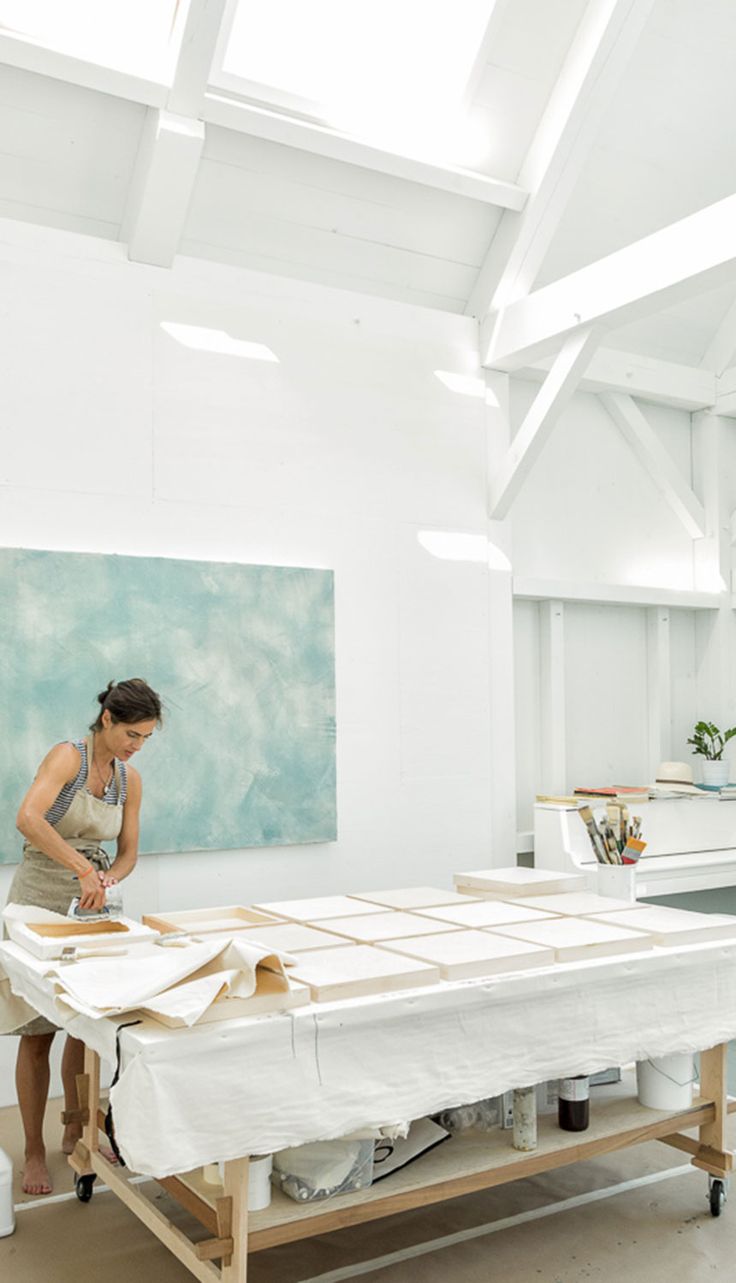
(323, 1169)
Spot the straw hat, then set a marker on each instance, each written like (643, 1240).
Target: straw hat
(677, 777)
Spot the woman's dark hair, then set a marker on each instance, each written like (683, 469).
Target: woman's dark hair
(129, 702)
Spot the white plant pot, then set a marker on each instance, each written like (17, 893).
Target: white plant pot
(715, 774)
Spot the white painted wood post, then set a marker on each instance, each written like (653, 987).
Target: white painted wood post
(503, 802)
(659, 688)
(715, 631)
(552, 697)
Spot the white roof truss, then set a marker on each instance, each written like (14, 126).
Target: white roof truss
(667, 382)
(721, 351)
(657, 462)
(548, 405)
(593, 69)
(691, 256)
(194, 64)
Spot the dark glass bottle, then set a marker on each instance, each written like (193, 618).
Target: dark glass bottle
(573, 1110)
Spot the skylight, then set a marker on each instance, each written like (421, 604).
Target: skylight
(135, 36)
(392, 72)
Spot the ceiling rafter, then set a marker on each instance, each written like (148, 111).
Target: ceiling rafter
(667, 382)
(279, 127)
(592, 71)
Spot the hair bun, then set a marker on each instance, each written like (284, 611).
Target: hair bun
(104, 694)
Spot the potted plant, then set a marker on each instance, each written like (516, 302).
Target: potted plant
(709, 743)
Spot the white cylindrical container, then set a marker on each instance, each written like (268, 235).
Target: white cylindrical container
(525, 1119)
(7, 1215)
(617, 881)
(259, 1182)
(666, 1082)
(715, 774)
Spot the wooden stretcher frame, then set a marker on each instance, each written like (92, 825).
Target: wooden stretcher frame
(440, 1176)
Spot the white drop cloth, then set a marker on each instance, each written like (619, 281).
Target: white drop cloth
(193, 1096)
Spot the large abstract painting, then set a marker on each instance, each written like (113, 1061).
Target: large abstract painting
(243, 657)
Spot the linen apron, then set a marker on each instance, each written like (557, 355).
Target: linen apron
(44, 882)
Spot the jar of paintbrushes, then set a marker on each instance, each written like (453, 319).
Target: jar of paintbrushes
(617, 843)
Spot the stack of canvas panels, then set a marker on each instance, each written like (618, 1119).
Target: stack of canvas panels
(512, 881)
(287, 937)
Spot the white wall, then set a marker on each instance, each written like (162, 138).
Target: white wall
(116, 439)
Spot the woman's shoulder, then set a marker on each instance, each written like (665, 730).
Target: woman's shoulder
(65, 757)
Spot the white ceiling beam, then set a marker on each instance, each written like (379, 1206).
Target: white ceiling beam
(657, 461)
(691, 256)
(260, 122)
(194, 64)
(486, 49)
(543, 414)
(605, 594)
(161, 189)
(646, 377)
(721, 351)
(592, 71)
(19, 51)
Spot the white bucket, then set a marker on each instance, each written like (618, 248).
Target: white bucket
(7, 1215)
(617, 880)
(666, 1082)
(259, 1182)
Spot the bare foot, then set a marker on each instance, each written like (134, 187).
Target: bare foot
(36, 1179)
(73, 1133)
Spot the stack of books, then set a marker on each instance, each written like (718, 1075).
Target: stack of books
(616, 793)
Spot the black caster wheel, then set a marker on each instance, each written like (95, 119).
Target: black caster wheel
(84, 1186)
(716, 1195)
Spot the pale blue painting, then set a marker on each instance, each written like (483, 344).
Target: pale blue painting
(243, 657)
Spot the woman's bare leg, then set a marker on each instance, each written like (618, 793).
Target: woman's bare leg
(32, 1084)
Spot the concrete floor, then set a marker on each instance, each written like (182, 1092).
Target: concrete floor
(644, 1219)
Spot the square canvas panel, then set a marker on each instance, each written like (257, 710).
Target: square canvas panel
(359, 970)
(579, 938)
(675, 926)
(412, 898)
(292, 936)
(579, 904)
(485, 913)
(314, 908)
(462, 955)
(243, 657)
(513, 880)
(371, 927)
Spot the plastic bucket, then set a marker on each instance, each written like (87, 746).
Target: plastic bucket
(7, 1215)
(666, 1082)
(259, 1182)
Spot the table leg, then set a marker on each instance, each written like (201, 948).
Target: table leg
(712, 1155)
(235, 1188)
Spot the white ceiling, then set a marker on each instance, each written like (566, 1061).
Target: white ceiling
(332, 211)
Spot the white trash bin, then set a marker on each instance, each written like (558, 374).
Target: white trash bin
(7, 1215)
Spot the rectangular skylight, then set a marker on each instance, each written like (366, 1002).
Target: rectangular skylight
(135, 36)
(391, 72)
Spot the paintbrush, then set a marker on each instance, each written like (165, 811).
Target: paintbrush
(632, 851)
(597, 842)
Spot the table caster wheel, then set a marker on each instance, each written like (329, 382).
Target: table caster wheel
(716, 1195)
(84, 1186)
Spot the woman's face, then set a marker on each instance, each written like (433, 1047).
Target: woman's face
(124, 739)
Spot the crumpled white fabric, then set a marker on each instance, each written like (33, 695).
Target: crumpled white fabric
(153, 978)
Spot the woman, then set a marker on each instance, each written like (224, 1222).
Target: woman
(85, 792)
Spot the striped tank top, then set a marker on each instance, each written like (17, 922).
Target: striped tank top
(64, 800)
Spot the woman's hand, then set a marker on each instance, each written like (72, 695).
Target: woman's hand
(91, 890)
